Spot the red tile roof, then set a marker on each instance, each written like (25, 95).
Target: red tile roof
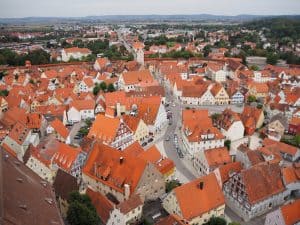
(66, 156)
(217, 156)
(190, 195)
(135, 77)
(102, 204)
(229, 168)
(172, 219)
(279, 146)
(104, 128)
(59, 127)
(114, 168)
(164, 165)
(83, 104)
(262, 181)
(76, 49)
(291, 212)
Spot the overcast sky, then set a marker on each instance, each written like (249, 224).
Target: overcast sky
(69, 8)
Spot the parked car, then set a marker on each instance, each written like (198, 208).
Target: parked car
(167, 138)
(144, 144)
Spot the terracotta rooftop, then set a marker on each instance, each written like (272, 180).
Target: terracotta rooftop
(189, 195)
(114, 168)
(291, 212)
(229, 168)
(172, 219)
(262, 181)
(217, 156)
(132, 203)
(135, 77)
(102, 204)
(104, 128)
(59, 127)
(279, 146)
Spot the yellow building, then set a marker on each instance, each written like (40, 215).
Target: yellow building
(220, 94)
(139, 128)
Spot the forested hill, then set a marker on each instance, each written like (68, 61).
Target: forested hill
(279, 27)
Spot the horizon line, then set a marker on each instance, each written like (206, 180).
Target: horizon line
(154, 14)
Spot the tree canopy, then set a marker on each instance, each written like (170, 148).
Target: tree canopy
(81, 210)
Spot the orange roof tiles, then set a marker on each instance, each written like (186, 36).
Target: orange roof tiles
(135, 77)
(291, 212)
(295, 121)
(217, 156)
(164, 165)
(291, 174)
(132, 203)
(76, 49)
(102, 62)
(229, 168)
(65, 156)
(131, 121)
(102, 204)
(104, 128)
(148, 109)
(59, 127)
(122, 168)
(227, 118)
(197, 123)
(19, 133)
(172, 219)
(259, 87)
(261, 181)
(279, 146)
(83, 104)
(190, 195)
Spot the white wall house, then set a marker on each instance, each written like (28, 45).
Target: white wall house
(75, 53)
(82, 110)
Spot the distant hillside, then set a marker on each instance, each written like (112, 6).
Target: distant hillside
(279, 27)
(137, 18)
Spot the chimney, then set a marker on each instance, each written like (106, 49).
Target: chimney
(201, 185)
(127, 191)
(121, 160)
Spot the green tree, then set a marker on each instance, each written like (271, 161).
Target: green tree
(96, 89)
(171, 185)
(254, 67)
(272, 58)
(4, 93)
(216, 221)
(227, 144)
(81, 210)
(251, 98)
(111, 88)
(103, 86)
(215, 116)
(206, 50)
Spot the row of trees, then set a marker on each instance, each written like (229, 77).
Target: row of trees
(104, 87)
(101, 47)
(9, 57)
(183, 54)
